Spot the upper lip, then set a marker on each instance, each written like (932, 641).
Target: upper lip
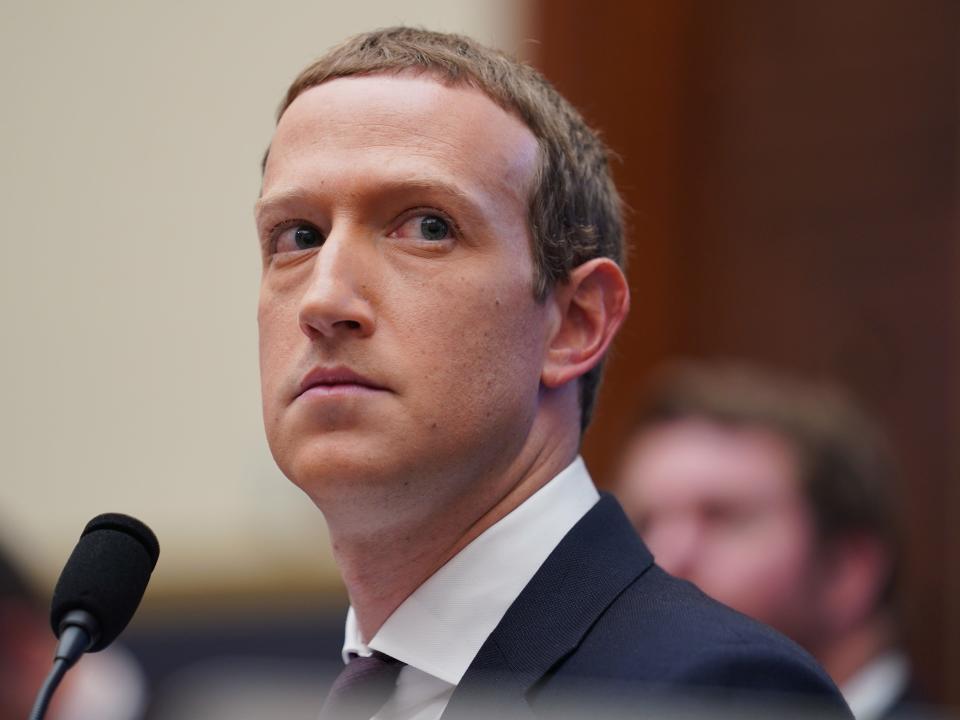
(335, 376)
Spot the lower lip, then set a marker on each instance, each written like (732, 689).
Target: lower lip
(338, 390)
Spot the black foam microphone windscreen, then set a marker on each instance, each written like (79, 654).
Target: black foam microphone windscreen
(106, 574)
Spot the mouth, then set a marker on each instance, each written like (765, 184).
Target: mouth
(336, 381)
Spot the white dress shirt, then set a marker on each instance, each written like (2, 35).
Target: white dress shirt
(439, 629)
(877, 686)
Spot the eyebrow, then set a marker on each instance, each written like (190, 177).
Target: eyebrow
(432, 186)
(279, 199)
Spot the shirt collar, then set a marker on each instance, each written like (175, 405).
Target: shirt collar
(442, 625)
(876, 687)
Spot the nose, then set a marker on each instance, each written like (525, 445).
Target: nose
(336, 301)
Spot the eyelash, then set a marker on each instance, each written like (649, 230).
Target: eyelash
(274, 233)
(429, 211)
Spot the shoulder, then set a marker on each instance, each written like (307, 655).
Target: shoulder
(663, 633)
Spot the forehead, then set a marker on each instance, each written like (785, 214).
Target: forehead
(688, 461)
(410, 124)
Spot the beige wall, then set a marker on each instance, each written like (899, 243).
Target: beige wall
(131, 135)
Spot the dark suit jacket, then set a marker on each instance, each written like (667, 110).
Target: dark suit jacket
(601, 622)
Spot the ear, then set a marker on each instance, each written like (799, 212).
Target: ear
(858, 568)
(592, 305)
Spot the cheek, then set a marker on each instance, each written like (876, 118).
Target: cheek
(278, 329)
(482, 352)
(761, 576)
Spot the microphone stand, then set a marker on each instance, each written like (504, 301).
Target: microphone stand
(79, 630)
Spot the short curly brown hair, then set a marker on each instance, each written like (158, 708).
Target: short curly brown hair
(575, 212)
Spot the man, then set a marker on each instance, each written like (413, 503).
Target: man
(773, 496)
(441, 280)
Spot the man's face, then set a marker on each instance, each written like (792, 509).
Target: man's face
(722, 507)
(400, 343)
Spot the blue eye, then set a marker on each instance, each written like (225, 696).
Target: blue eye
(434, 228)
(424, 227)
(295, 236)
(306, 237)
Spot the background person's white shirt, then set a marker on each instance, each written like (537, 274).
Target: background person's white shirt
(439, 629)
(877, 686)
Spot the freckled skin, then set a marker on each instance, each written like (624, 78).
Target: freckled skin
(453, 429)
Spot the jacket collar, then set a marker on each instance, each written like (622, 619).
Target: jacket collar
(442, 625)
(593, 563)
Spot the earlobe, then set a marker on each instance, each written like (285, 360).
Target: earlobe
(592, 306)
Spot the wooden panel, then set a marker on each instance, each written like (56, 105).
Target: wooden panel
(793, 171)
(619, 64)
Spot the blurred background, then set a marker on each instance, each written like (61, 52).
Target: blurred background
(791, 170)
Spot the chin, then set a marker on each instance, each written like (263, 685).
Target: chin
(328, 468)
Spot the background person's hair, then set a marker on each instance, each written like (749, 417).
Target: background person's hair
(575, 212)
(843, 466)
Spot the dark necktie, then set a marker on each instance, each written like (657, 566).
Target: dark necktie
(361, 688)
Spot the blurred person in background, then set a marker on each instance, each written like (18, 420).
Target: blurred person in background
(107, 685)
(26, 644)
(774, 496)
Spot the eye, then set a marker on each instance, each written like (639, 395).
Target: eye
(296, 236)
(432, 228)
(728, 516)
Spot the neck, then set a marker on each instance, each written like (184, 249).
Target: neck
(382, 563)
(842, 657)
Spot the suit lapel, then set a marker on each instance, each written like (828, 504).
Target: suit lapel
(593, 563)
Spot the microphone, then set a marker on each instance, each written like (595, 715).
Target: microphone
(98, 592)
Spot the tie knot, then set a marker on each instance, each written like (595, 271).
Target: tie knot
(362, 687)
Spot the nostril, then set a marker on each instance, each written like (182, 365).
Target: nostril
(351, 324)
